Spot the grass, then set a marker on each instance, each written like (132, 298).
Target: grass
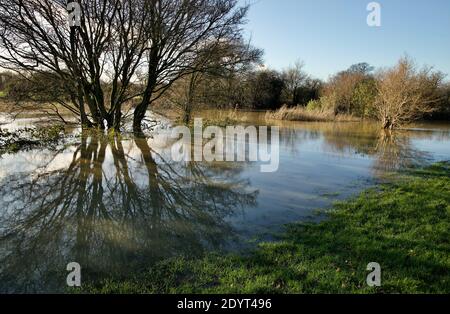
(403, 225)
(220, 118)
(300, 113)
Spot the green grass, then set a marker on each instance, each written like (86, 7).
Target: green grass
(403, 225)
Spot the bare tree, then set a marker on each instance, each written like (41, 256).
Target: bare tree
(180, 30)
(405, 93)
(105, 49)
(122, 49)
(294, 77)
(214, 64)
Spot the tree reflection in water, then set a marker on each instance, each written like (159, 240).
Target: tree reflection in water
(112, 212)
(390, 150)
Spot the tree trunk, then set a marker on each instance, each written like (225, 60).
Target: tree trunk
(98, 121)
(78, 100)
(138, 117)
(85, 122)
(141, 109)
(187, 114)
(387, 123)
(117, 118)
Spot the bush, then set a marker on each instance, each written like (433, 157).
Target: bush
(314, 105)
(363, 98)
(27, 138)
(406, 93)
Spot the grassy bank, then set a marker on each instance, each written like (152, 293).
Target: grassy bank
(300, 113)
(403, 225)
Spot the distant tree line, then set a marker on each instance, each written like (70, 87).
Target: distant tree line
(393, 96)
(248, 87)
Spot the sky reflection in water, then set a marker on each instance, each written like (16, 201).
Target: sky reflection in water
(117, 206)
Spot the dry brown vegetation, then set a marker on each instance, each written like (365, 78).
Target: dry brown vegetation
(300, 113)
(406, 94)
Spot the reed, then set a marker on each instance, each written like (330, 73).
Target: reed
(300, 113)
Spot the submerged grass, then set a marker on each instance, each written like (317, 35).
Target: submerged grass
(28, 138)
(403, 225)
(300, 113)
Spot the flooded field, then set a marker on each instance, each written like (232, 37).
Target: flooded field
(116, 205)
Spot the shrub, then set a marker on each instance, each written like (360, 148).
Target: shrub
(314, 105)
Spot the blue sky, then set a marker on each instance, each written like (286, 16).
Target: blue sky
(330, 35)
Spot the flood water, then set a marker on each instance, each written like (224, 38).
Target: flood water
(116, 206)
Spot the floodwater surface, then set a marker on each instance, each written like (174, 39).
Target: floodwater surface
(118, 205)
